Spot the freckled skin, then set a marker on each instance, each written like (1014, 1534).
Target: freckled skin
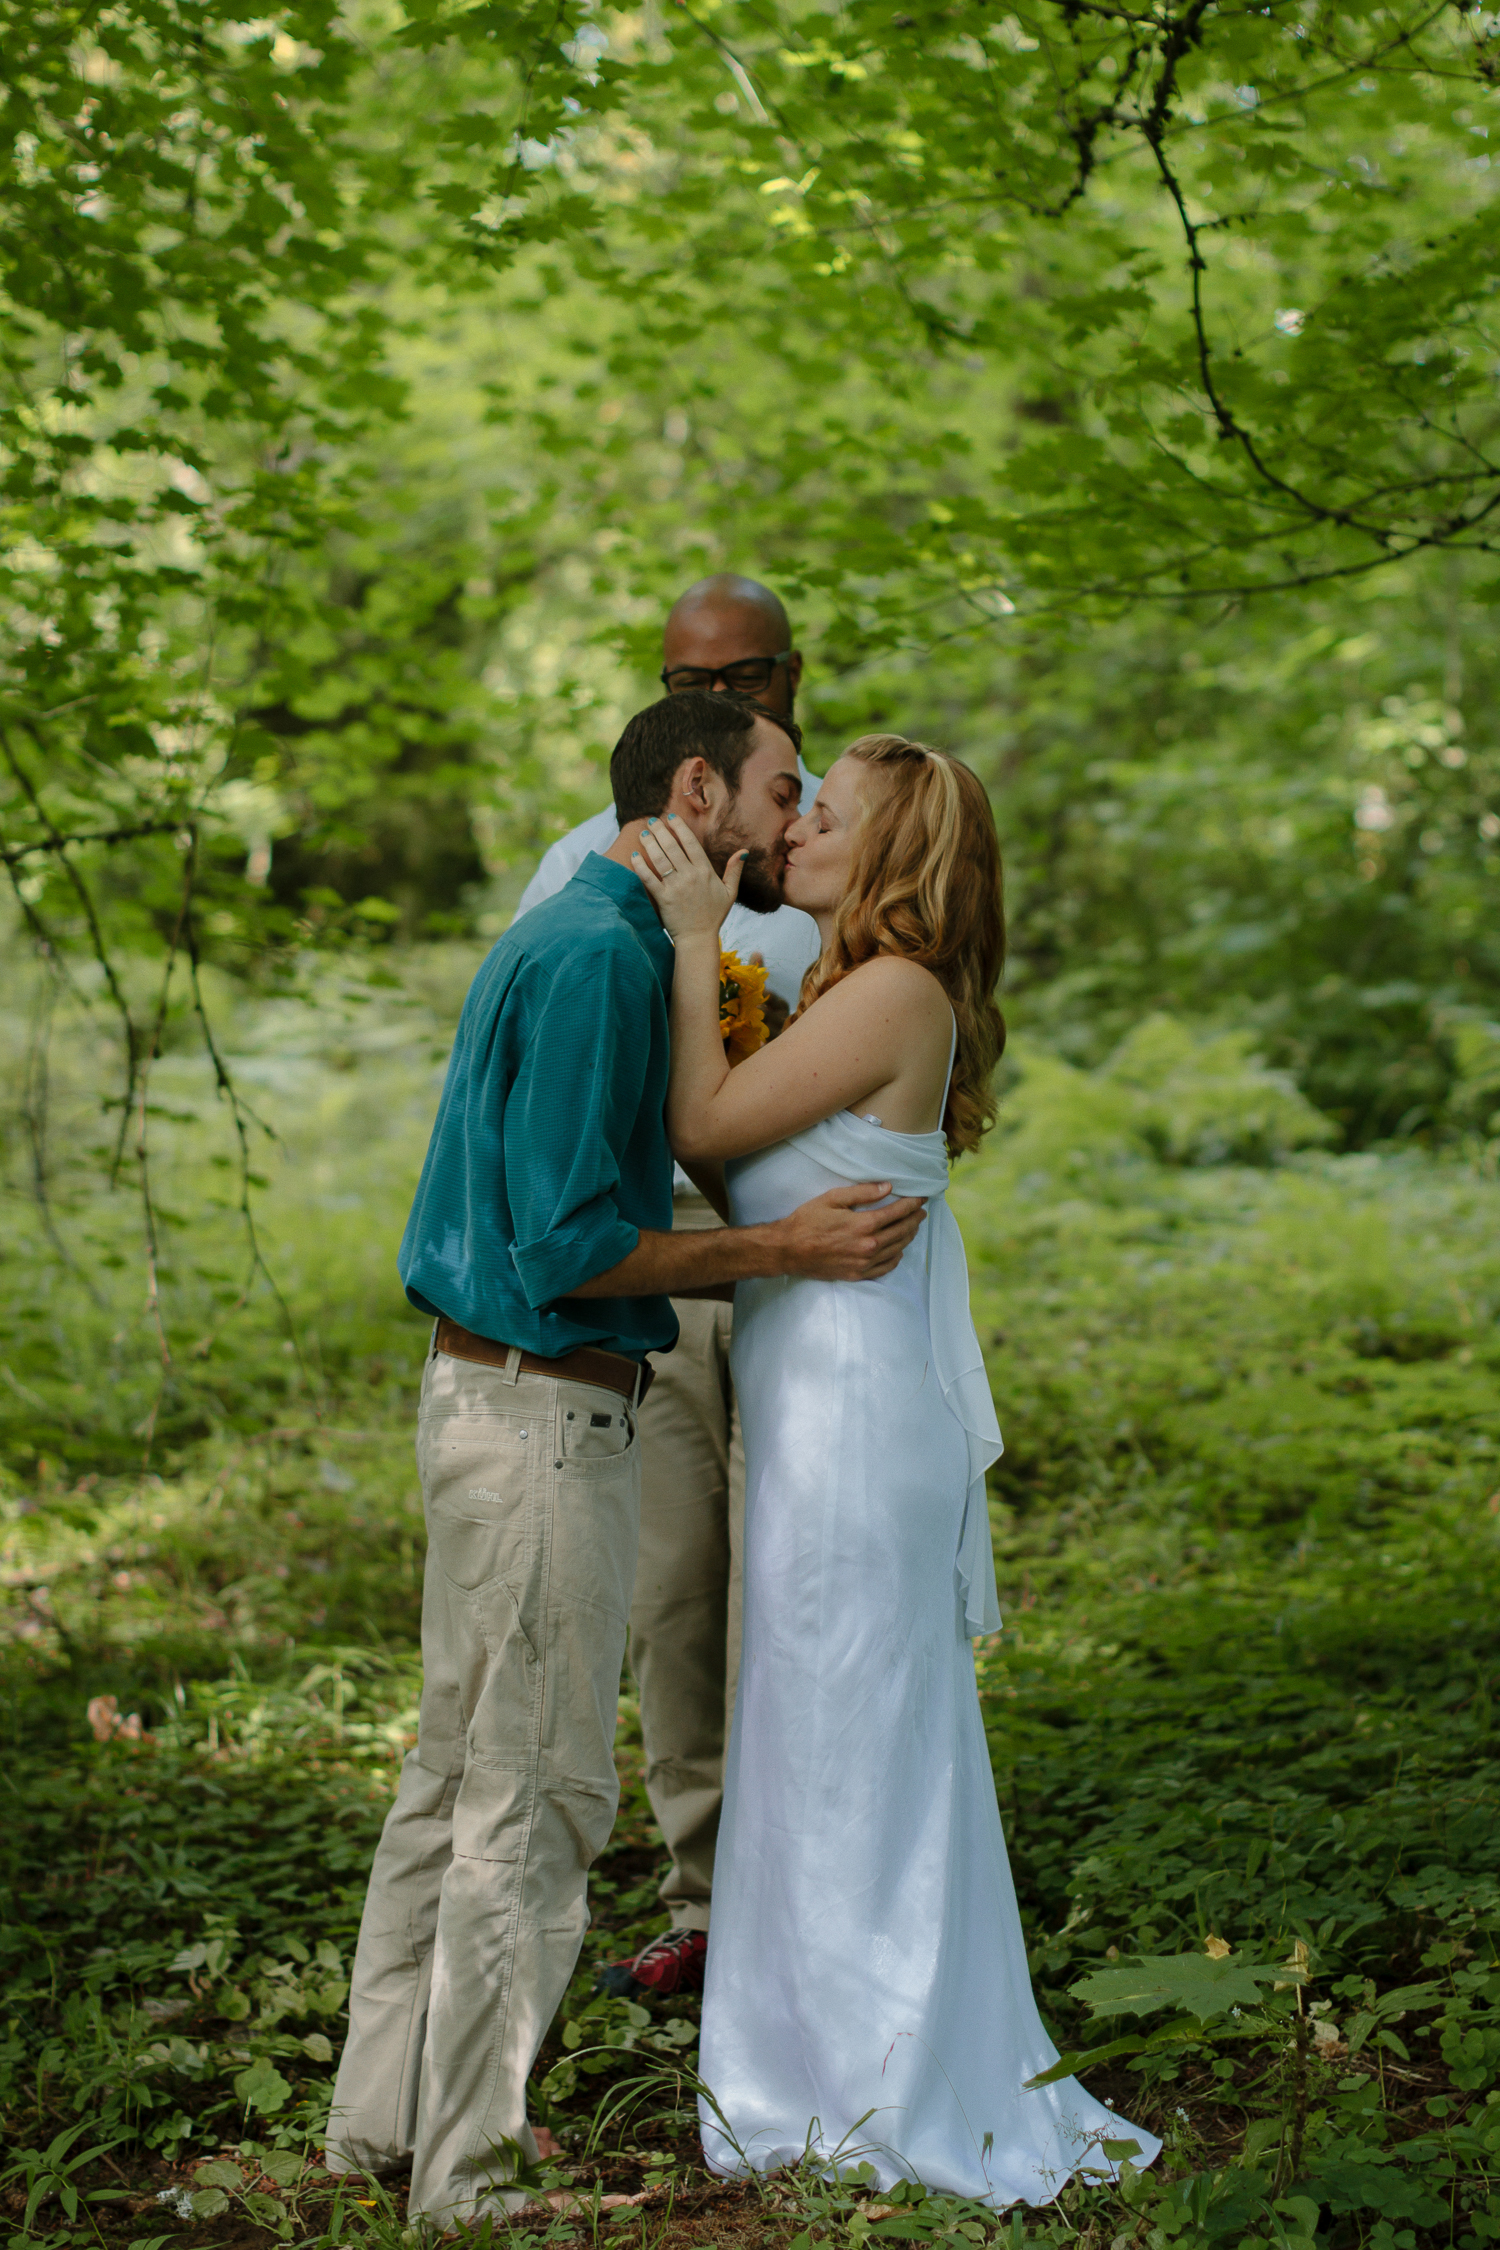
(820, 846)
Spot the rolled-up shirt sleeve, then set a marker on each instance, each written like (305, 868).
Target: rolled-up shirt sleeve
(570, 1115)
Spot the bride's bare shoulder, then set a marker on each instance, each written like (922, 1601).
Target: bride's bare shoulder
(893, 981)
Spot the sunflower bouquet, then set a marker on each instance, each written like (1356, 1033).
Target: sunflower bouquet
(742, 1006)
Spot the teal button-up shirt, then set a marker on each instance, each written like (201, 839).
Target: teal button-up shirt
(550, 1152)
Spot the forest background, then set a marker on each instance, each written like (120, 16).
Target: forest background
(1111, 393)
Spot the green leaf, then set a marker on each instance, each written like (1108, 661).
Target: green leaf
(262, 2086)
(221, 2174)
(1192, 1981)
(1263, 2133)
(283, 2166)
(1404, 1996)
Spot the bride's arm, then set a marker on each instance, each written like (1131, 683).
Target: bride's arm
(833, 1058)
(699, 1069)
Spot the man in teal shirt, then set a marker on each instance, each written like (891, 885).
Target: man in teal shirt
(540, 1240)
(550, 1154)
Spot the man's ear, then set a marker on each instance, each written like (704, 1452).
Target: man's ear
(692, 789)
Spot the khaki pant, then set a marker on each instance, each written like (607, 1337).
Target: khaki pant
(685, 1619)
(476, 1907)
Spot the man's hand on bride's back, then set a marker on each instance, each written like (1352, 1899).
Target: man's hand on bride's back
(690, 898)
(850, 1233)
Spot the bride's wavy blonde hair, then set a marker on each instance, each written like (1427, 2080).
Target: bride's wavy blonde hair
(926, 884)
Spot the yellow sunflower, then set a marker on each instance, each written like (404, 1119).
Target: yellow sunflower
(742, 1006)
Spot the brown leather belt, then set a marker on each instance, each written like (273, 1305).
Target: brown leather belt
(611, 1371)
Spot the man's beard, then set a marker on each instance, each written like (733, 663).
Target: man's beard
(762, 874)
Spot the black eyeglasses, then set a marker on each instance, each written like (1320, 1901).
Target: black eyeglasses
(750, 676)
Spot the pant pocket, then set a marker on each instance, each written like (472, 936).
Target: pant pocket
(476, 1485)
(597, 1433)
(596, 1529)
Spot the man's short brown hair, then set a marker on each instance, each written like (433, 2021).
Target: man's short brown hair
(719, 729)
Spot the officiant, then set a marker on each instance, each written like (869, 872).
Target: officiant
(725, 634)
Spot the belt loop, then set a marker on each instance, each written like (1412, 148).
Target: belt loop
(635, 1396)
(512, 1368)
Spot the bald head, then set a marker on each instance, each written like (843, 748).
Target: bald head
(754, 607)
(727, 619)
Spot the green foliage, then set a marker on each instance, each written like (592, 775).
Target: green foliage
(1198, 1983)
(228, 611)
(163, 411)
(51, 2173)
(1162, 1093)
(102, 1370)
(1230, 271)
(323, 602)
(1289, 831)
(597, 2034)
(1249, 1564)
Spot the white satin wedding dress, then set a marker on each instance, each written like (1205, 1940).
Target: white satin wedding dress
(867, 1996)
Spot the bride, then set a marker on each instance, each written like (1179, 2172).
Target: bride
(867, 1998)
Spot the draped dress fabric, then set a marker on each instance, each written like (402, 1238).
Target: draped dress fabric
(867, 1996)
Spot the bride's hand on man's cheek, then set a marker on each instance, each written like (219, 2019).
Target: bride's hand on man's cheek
(690, 898)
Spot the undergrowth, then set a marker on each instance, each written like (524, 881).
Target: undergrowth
(1248, 1529)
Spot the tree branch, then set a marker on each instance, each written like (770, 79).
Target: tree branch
(96, 935)
(12, 855)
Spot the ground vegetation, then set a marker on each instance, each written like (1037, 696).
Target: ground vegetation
(1240, 1711)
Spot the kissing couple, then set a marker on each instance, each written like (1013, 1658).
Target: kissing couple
(867, 1997)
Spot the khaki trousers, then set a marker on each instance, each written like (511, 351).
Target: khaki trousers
(685, 1619)
(476, 1908)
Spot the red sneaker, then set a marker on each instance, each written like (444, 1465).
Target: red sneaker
(671, 1963)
